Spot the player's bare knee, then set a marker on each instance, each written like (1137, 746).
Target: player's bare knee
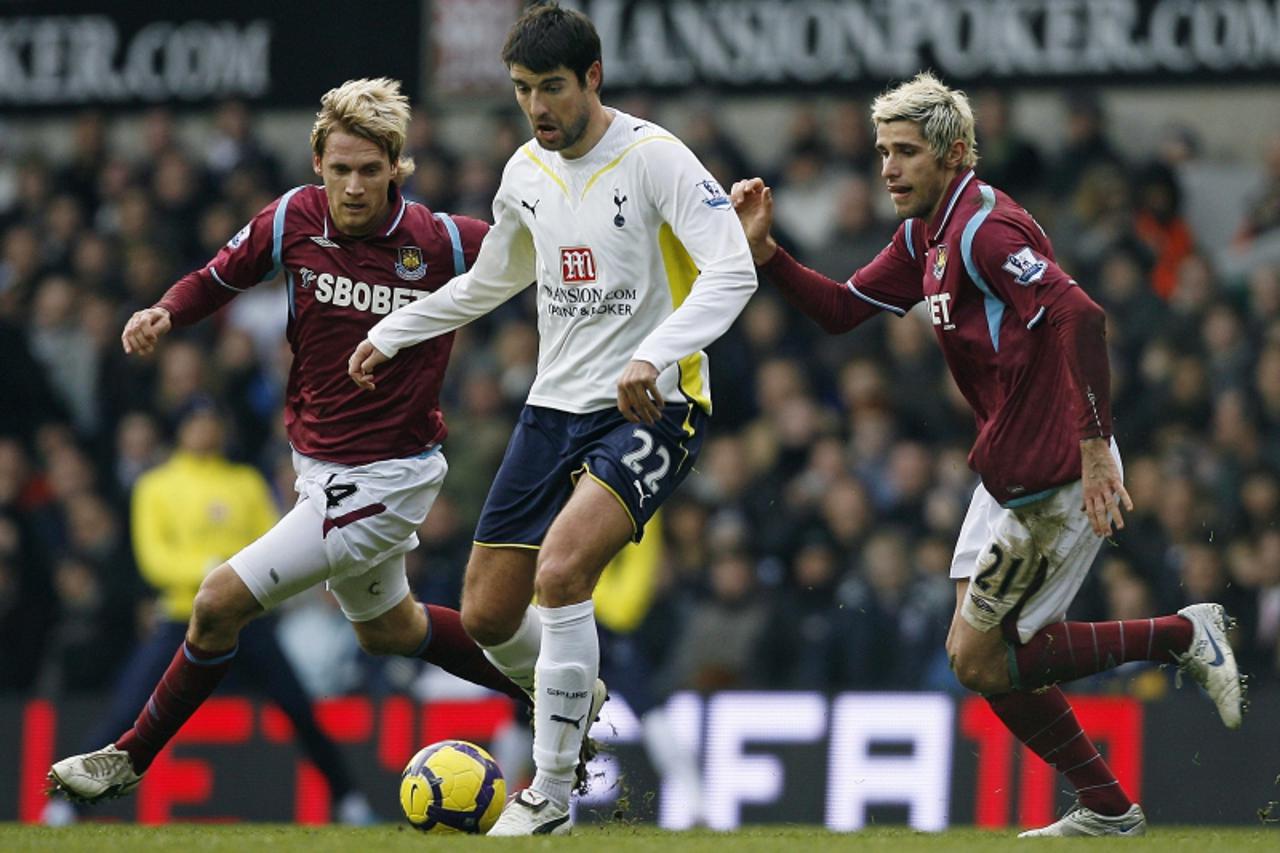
(488, 628)
(379, 640)
(980, 672)
(556, 584)
(979, 680)
(215, 621)
(560, 590)
(374, 645)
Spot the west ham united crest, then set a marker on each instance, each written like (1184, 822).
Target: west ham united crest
(940, 262)
(410, 266)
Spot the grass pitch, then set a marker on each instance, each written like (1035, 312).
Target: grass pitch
(234, 838)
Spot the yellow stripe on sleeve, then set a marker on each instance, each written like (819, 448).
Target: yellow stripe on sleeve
(681, 273)
(612, 164)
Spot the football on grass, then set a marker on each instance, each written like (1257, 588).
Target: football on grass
(452, 786)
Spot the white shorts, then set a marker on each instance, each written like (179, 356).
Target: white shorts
(350, 528)
(1029, 560)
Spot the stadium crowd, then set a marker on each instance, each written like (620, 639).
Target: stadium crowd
(809, 550)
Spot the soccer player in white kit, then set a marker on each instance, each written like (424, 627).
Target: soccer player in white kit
(640, 263)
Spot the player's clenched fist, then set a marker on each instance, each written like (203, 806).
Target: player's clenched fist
(753, 202)
(143, 330)
(362, 362)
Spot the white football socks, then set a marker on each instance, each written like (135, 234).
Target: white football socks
(566, 675)
(516, 657)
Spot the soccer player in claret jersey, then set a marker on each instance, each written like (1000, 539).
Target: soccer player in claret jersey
(1027, 348)
(639, 264)
(369, 465)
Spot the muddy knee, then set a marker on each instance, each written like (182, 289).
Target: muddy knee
(984, 674)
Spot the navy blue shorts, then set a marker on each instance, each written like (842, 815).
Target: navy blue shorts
(549, 450)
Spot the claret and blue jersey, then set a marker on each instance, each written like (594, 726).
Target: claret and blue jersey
(986, 272)
(338, 288)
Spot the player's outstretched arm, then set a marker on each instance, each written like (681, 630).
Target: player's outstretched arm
(362, 362)
(753, 202)
(144, 328)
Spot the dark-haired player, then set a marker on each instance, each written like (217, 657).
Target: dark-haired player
(639, 264)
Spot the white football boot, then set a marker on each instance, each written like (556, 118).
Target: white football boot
(599, 695)
(530, 813)
(1211, 662)
(93, 776)
(1081, 821)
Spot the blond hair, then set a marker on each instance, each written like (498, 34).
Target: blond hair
(372, 109)
(942, 114)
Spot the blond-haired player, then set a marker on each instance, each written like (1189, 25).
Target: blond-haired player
(1027, 348)
(369, 466)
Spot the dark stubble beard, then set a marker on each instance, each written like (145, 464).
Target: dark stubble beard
(572, 133)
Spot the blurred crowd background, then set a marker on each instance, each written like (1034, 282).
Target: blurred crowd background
(811, 546)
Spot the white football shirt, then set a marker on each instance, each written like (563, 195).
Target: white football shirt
(636, 253)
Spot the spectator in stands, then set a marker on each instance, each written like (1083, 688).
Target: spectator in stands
(1087, 147)
(716, 646)
(707, 138)
(1159, 223)
(1263, 213)
(433, 181)
(26, 592)
(849, 140)
(234, 147)
(188, 515)
(21, 268)
(856, 230)
(1009, 160)
(89, 149)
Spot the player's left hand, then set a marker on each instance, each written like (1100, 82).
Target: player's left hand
(1104, 491)
(362, 362)
(638, 397)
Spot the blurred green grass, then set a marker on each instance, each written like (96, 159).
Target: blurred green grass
(184, 838)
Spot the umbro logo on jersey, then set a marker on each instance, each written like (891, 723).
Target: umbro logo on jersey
(577, 264)
(981, 604)
(324, 242)
(532, 208)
